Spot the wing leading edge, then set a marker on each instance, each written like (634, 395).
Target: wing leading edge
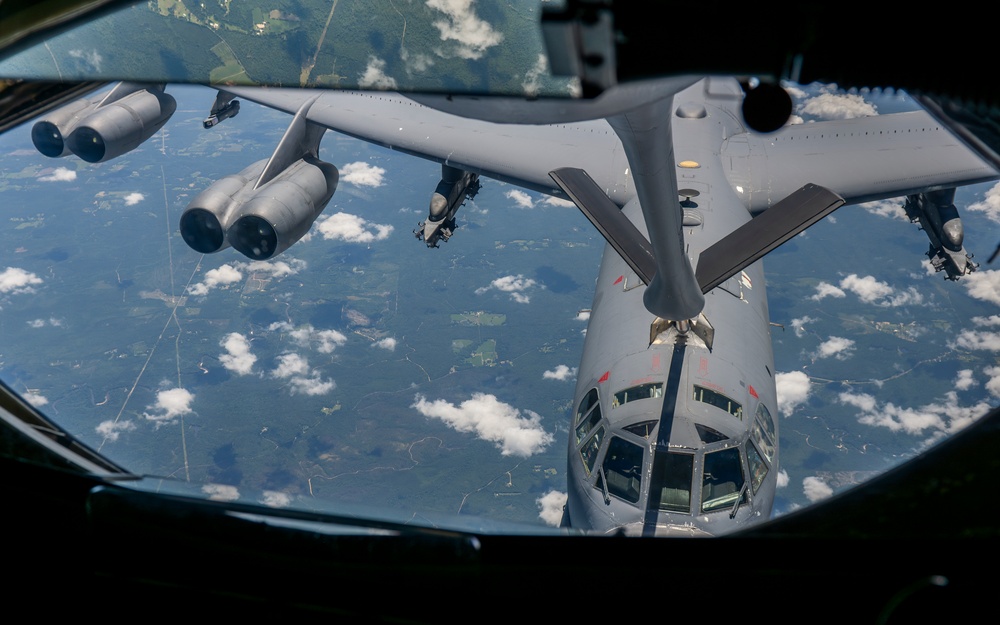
(518, 154)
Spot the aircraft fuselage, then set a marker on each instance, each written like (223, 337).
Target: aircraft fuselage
(672, 435)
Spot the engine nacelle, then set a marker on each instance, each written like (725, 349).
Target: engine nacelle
(207, 218)
(49, 134)
(100, 129)
(260, 223)
(122, 126)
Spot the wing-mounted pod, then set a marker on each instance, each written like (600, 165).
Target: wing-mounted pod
(102, 128)
(270, 205)
(223, 108)
(455, 187)
(936, 213)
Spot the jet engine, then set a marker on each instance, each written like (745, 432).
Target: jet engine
(100, 129)
(260, 221)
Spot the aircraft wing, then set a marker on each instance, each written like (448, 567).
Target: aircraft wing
(861, 159)
(520, 155)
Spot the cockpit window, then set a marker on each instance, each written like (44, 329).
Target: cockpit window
(589, 450)
(643, 429)
(763, 431)
(758, 469)
(708, 396)
(642, 391)
(670, 485)
(586, 404)
(723, 481)
(709, 435)
(623, 468)
(588, 424)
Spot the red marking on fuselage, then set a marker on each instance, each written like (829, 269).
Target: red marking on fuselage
(753, 393)
(620, 278)
(656, 363)
(604, 378)
(703, 367)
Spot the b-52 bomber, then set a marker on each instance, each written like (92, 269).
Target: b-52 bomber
(673, 428)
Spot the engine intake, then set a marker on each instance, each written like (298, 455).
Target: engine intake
(261, 222)
(100, 129)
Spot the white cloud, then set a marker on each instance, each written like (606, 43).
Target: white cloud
(416, 63)
(306, 336)
(491, 420)
(943, 417)
(557, 201)
(978, 339)
(993, 384)
(91, 57)
(990, 204)
(521, 199)
(351, 228)
(221, 492)
(59, 174)
(515, 285)
(15, 280)
(37, 323)
(869, 290)
(327, 340)
(795, 91)
(275, 499)
(374, 76)
(793, 389)
(301, 378)
(34, 398)
(134, 198)
(583, 315)
(992, 320)
(470, 35)
(905, 298)
(388, 344)
(111, 430)
(561, 373)
(825, 289)
(170, 404)
(965, 381)
(815, 489)
(835, 346)
(276, 268)
(532, 77)
(838, 106)
(312, 385)
(892, 209)
(362, 174)
(291, 364)
(799, 325)
(222, 276)
(237, 358)
(782, 479)
(984, 285)
(550, 507)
